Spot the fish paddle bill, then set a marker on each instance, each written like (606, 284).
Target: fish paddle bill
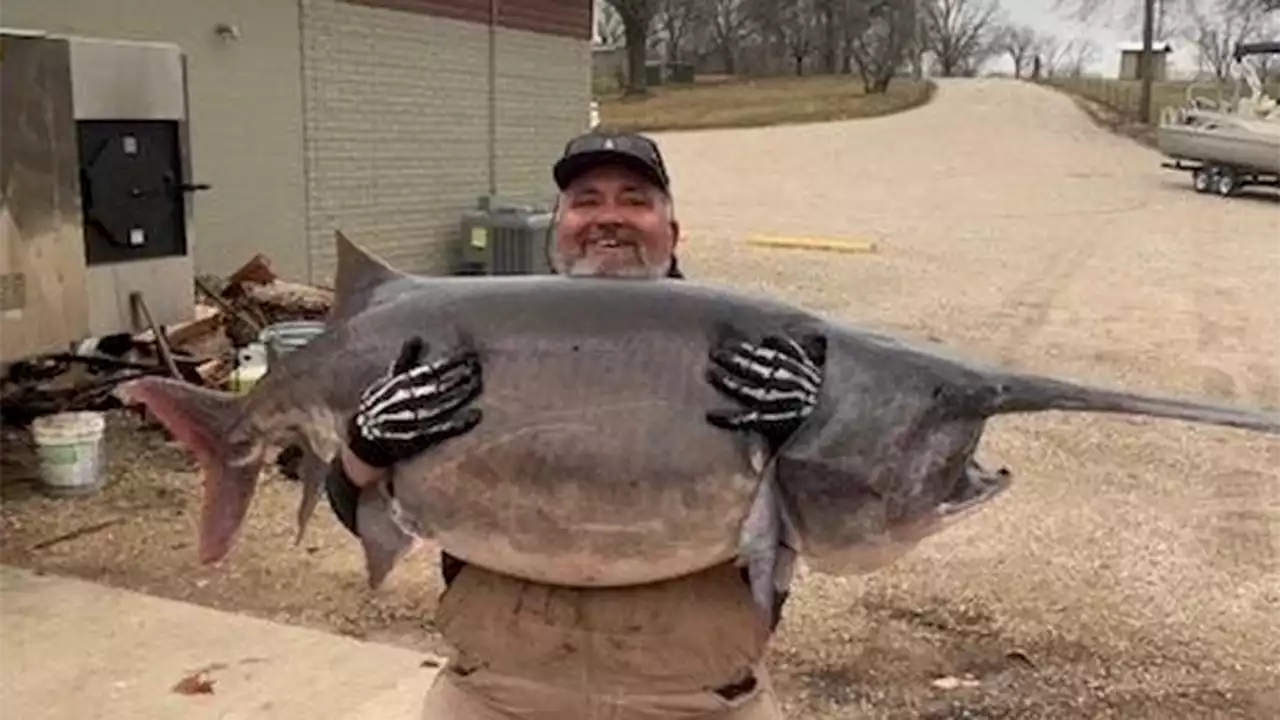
(204, 421)
(1014, 393)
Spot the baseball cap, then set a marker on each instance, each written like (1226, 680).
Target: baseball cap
(594, 149)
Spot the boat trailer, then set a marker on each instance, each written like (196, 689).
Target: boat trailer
(1220, 179)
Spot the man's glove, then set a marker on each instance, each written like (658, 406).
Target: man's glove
(415, 406)
(777, 381)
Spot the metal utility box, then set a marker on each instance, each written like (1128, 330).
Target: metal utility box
(94, 165)
(505, 240)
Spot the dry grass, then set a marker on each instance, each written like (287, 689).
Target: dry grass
(758, 102)
(1124, 95)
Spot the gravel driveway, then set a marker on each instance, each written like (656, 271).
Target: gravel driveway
(1132, 570)
(1128, 577)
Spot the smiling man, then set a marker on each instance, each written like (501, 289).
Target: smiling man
(683, 649)
(615, 215)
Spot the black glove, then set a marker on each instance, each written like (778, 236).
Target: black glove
(415, 406)
(777, 382)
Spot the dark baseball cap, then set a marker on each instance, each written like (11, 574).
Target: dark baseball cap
(597, 148)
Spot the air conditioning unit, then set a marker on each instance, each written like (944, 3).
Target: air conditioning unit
(500, 239)
(94, 211)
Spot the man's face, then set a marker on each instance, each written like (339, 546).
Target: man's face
(612, 222)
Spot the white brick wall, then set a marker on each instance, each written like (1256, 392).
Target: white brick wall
(397, 125)
(544, 94)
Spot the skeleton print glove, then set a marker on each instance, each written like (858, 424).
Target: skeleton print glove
(776, 381)
(415, 406)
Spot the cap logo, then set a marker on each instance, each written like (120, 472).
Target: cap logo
(608, 143)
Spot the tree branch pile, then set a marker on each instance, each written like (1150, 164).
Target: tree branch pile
(229, 315)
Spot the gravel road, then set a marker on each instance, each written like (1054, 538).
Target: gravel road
(1132, 570)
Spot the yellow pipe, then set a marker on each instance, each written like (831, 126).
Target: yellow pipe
(813, 243)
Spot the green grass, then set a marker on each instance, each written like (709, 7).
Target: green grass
(719, 101)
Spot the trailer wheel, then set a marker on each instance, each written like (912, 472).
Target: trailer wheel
(1226, 184)
(1202, 180)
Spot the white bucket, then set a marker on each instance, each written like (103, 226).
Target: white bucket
(283, 338)
(251, 365)
(69, 446)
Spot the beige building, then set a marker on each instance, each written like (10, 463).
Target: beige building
(384, 119)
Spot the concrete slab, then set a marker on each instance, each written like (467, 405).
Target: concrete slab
(74, 649)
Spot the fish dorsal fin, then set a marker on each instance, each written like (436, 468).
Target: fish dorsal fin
(359, 275)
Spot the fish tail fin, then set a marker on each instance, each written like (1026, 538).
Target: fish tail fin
(207, 423)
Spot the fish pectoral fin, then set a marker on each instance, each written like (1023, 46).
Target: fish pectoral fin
(386, 533)
(759, 542)
(312, 470)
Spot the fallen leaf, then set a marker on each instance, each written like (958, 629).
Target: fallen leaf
(194, 684)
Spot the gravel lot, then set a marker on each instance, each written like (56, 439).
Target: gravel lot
(1134, 563)
(1132, 570)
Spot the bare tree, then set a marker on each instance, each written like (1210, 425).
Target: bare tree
(830, 18)
(1074, 56)
(728, 20)
(674, 21)
(637, 18)
(1262, 6)
(960, 33)
(1216, 26)
(608, 24)
(1049, 52)
(797, 29)
(1090, 10)
(1019, 42)
(887, 29)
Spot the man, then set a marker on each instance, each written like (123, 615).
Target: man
(687, 648)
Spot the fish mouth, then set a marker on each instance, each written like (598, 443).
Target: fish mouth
(975, 486)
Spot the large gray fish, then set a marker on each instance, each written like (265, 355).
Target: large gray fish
(593, 464)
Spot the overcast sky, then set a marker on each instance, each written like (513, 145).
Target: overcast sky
(1107, 31)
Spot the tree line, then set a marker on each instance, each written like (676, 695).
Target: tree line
(875, 39)
(879, 40)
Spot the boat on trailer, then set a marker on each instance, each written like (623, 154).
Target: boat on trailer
(1226, 145)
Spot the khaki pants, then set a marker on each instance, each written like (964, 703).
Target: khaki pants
(657, 652)
(483, 695)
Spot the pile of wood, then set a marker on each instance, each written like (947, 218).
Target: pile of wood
(229, 315)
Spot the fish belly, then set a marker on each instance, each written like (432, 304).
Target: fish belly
(590, 467)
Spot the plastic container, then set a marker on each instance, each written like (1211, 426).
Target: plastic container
(283, 338)
(251, 365)
(69, 446)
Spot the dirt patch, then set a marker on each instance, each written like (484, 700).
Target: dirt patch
(939, 657)
(1114, 120)
(147, 516)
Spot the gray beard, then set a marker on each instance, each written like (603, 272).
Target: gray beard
(584, 266)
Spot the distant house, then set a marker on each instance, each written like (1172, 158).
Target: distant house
(1131, 57)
